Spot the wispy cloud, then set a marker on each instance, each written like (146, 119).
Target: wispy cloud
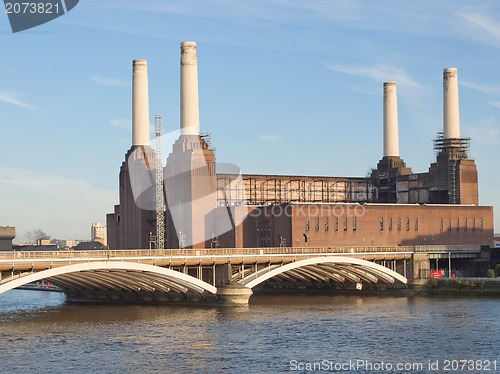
(483, 23)
(40, 192)
(495, 103)
(122, 123)
(365, 91)
(480, 87)
(379, 73)
(15, 98)
(112, 82)
(487, 133)
(269, 138)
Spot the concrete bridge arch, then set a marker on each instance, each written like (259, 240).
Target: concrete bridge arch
(116, 280)
(336, 268)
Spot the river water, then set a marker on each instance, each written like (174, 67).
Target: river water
(40, 333)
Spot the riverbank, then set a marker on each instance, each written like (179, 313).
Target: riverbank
(457, 286)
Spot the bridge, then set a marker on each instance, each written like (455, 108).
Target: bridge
(219, 275)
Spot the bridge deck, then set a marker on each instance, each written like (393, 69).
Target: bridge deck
(190, 257)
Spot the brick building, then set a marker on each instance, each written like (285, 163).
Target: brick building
(392, 206)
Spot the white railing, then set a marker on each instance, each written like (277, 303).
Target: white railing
(140, 253)
(143, 253)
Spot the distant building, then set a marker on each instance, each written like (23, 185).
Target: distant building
(98, 231)
(67, 244)
(43, 241)
(7, 234)
(89, 246)
(31, 247)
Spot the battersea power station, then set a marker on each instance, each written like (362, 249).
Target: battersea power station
(197, 203)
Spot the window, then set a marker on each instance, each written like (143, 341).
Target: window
(399, 223)
(345, 224)
(317, 224)
(449, 224)
(441, 224)
(473, 224)
(465, 224)
(458, 224)
(336, 224)
(407, 224)
(416, 224)
(481, 224)
(354, 224)
(390, 223)
(326, 224)
(381, 223)
(117, 218)
(307, 223)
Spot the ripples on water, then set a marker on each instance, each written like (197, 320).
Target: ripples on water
(39, 333)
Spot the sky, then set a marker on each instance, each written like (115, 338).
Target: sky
(286, 87)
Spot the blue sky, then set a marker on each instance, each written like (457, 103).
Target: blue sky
(286, 87)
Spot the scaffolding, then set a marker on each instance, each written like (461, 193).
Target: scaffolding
(456, 148)
(453, 150)
(160, 204)
(260, 190)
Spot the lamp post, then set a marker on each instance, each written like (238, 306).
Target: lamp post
(449, 264)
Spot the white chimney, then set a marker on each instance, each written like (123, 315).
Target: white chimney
(140, 103)
(190, 113)
(451, 118)
(391, 134)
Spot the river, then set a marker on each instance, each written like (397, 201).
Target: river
(40, 333)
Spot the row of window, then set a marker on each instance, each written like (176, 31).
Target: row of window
(415, 224)
(465, 225)
(399, 223)
(335, 223)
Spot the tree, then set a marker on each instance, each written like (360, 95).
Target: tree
(490, 273)
(497, 270)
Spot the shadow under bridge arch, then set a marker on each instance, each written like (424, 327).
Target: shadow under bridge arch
(115, 280)
(327, 268)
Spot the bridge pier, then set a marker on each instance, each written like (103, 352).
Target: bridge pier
(234, 294)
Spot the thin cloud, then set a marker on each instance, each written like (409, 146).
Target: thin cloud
(495, 103)
(111, 82)
(379, 73)
(484, 23)
(487, 133)
(15, 98)
(480, 87)
(269, 138)
(122, 123)
(32, 194)
(366, 91)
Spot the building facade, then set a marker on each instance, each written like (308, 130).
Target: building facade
(7, 234)
(98, 231)
(391, 206)
(372, 224)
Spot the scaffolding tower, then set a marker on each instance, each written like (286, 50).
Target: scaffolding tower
(160, 204)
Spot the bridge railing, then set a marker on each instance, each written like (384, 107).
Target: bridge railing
(135, 253)
(447, 248)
